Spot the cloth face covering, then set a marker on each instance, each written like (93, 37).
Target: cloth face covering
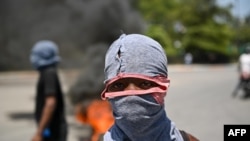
(139, 116)
(146, 122)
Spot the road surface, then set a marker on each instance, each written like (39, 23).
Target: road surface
(199, 101)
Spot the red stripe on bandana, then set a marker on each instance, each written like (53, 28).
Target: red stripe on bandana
(158, 92)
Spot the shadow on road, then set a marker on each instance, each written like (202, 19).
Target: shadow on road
(21, 116)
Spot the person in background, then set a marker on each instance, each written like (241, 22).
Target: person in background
(136, 82)
(49, 101)
(188, 58)
(244, 70)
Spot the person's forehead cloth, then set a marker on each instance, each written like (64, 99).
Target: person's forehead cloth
(135, 54)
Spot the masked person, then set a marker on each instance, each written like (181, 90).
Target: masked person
(49, 106)
(136, 82)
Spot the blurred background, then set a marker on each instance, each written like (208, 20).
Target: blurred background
(212, 31)
(208, 34)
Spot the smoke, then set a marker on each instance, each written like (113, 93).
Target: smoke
(74, 24)
(83, 29)
(89, 84)
(103, 20)
(103, 23)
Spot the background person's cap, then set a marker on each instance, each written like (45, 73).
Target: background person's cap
(44, 53)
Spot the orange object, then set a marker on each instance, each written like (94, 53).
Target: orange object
(99, 116)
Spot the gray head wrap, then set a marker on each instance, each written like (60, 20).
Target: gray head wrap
(44, 53)
(137, 54)
(138, 116)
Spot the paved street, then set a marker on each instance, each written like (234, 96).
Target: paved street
(199, 101)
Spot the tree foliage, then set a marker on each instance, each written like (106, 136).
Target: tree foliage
(200, 26)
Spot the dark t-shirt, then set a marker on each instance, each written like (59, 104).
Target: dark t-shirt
(49, 85)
